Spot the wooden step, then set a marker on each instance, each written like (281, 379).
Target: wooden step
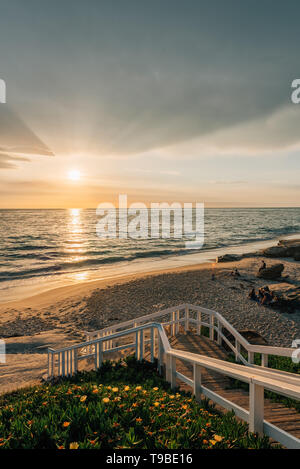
(286, 418)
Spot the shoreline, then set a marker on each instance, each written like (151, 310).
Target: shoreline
(120, 271)
(58, 317)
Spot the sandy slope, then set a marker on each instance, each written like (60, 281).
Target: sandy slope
(60, 316)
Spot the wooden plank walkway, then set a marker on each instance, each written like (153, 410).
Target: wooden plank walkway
(283, 417)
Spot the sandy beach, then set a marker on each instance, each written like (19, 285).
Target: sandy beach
(60, 316)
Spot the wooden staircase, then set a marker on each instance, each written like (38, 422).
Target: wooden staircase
(286, 418)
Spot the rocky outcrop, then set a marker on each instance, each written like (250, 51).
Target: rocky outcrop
(288, 296)
(271, 273)
(228, 258)
(285, 248)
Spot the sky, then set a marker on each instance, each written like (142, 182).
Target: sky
(177, 101)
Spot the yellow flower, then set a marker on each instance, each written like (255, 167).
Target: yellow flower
(218, 438)
(184, 407)
(74, 445)
(95, 391)
(172, 396)
(126, 388)
(115, 389)
(155, 389)
(66, 424)
(212, 442)
(138, 388)
(108, 387)
(156, 404)
(83, 398)
(105, 400)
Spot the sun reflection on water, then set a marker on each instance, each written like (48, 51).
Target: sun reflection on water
(75, 234)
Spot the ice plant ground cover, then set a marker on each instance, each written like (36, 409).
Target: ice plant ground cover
(122, 405)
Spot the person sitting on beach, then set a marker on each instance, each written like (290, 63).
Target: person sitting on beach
(252, 295)
(261, 292)
(235, 273)
(263, 266)
(267, 298)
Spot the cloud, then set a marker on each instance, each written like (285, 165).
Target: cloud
(7, 161)
(17, 140)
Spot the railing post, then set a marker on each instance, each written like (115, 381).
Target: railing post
(219, 332)
(251, 358)
(63, 365)
(211, 327)
(177, 316)
(110, 343)
(141, 354)
(137, 345)
(198, 323)
(256, 408)
(197, 382)
(98, 354)
(75, 360)
(160, 355)
(70, 363)
(171, 370)
(187, 322)
(173, 325)
(152, 344)
(237, 350)
(264, 360)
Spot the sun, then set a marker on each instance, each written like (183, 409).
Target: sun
(74, 175)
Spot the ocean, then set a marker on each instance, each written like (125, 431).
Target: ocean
(39, 248)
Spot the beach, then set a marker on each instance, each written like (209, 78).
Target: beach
(60, 316)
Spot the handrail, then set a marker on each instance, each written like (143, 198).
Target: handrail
(264, 350)
(64, 362)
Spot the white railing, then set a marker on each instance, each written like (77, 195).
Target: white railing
(192, 316)
(152, 335)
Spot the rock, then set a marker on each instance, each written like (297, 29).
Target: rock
(285, 248)
(228, 258)
(253, 337)
(288, 296)
(271, 273)
(275, 251)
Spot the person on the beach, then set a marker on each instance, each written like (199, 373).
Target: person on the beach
(261, 292)
(263, 266)
(235, 273)
(267, 298)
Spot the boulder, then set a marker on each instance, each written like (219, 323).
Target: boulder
(275, 251)
(228, 258)
(271, 273)
(288, 296)
(285, 248)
